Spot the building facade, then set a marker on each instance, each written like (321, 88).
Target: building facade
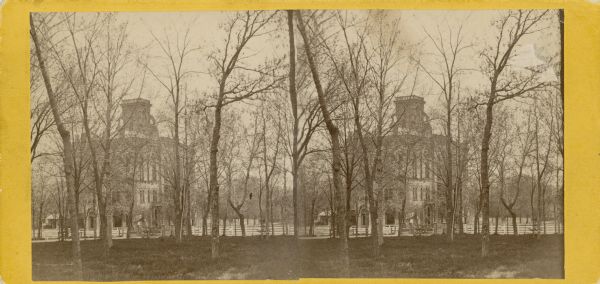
(410, 174)
(137, 183)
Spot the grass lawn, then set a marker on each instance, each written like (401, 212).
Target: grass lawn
(278, 258)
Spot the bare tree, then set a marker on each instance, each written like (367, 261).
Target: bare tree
(236, 82)
(253, 143)
(524, 147)
(305, 115)
(505, 83)
(67, 153)
(541, 164)
(98, 55)
(269, 160)
(448, 53)
(372, 68)
(39, 197)
(333, 130)
(40, 116)
(176, 72)
(130, 158)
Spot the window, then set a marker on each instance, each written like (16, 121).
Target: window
(142, 201)
(388, 194)
(427, 193)
(390, 218)
(414, 194)
(148, 170)
(154, 196)
(421, 193)
(141, 170)
(144, 173)
(422, 166)
(414, 166)
(153, 172)
(426, 169)
(148, 192)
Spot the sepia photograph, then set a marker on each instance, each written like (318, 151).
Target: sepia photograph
(288, 144)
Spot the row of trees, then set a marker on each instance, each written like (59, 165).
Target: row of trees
(325, 107)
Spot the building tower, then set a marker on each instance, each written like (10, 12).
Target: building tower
(410, 111)
(136, 118)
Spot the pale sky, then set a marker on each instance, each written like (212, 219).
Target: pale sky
(206, 35)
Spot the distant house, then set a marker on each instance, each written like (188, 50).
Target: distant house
(323, 218)
(51, 221)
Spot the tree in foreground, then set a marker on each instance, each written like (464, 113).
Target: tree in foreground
(334, 134)
(251, 143)
(175, 52)
(236, 82)
(506, 82)
(448, 55)
(67, 153)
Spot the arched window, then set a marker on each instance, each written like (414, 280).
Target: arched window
(153, 172)
(148, 169)
(421, 165)
(138, 171)
(414, 166)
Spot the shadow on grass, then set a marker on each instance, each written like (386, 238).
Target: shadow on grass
(283, 258)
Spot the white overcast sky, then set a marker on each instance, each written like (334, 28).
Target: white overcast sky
(206, 34)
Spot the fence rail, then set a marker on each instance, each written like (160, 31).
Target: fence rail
(254, 228)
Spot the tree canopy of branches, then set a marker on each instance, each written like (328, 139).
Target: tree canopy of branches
(236, 82)
(506, 82)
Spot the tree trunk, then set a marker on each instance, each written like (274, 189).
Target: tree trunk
(242, 224)
(380, 216)
(476, 220)
(544, 208)
(335, 149)
(271, 214)
(311, 230)
(204, 224)
(496, 224)
(189, 212)
(449, 177)
(108, 241)
(532, 209)
(514, 223)
(67, 152)
(130, 218)
(401, 216)
(294, 102)
(96, 219)
(539, 211)
(40, 221)
(461, 225)
(224, 225)
(214, 186)
(485, 179)
(373, 212)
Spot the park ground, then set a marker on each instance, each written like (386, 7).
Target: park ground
(278, 258)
